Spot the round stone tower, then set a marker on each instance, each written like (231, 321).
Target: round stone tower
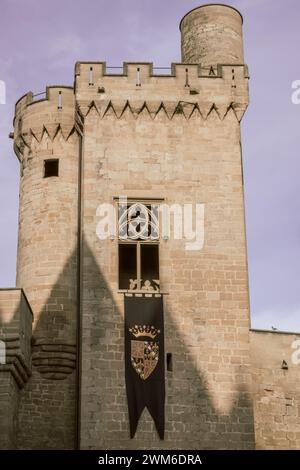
(47, 146)
(212, 34)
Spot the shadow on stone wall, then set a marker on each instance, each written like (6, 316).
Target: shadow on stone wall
(191, 419)
(47, 404)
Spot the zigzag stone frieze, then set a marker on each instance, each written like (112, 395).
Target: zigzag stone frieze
(51, 130)
(36, 134)
(130, 109)
(137, 109)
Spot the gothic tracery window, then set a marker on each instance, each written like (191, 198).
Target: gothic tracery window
(138, 225)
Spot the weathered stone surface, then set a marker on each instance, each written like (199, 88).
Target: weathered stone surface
(212, 34)
(160, 141)
(276, 391)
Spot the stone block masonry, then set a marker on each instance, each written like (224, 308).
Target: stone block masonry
(276, 392)
(175, 138)
(15, 367)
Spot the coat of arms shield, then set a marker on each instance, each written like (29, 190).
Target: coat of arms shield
(144, 357)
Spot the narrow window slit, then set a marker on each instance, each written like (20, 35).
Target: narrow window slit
(138, 77)
(187, 78)
(169, 362)
(59, 100)
(233, 79)
(91, 76)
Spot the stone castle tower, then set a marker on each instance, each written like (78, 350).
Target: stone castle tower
(168, 139)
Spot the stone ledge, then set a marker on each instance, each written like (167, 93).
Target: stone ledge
(15, 331)
(55, 361)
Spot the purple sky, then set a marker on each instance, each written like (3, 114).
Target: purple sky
(42, 39)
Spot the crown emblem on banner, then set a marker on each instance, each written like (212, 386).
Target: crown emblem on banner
(145, 330)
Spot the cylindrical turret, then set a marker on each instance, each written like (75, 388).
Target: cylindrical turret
(48, 152)
(212, 34)
(47, 146)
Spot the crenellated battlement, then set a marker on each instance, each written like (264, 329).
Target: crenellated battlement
(189, 89)
(48, 112)
(139, 81)
(54, 97)
(147, 69)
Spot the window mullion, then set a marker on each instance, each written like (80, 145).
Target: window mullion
(138, 260)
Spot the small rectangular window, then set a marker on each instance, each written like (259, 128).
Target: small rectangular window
(169, 362)
(51, 168)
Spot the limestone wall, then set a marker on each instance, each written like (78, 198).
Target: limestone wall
(160, 140)
(276, 391)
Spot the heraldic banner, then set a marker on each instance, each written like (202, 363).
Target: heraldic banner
(144, 360)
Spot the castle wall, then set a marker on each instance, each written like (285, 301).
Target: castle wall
(46, 416)
(15, 360)
(276, 393)
(165, 142)
(9, 405)
(47, 264)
